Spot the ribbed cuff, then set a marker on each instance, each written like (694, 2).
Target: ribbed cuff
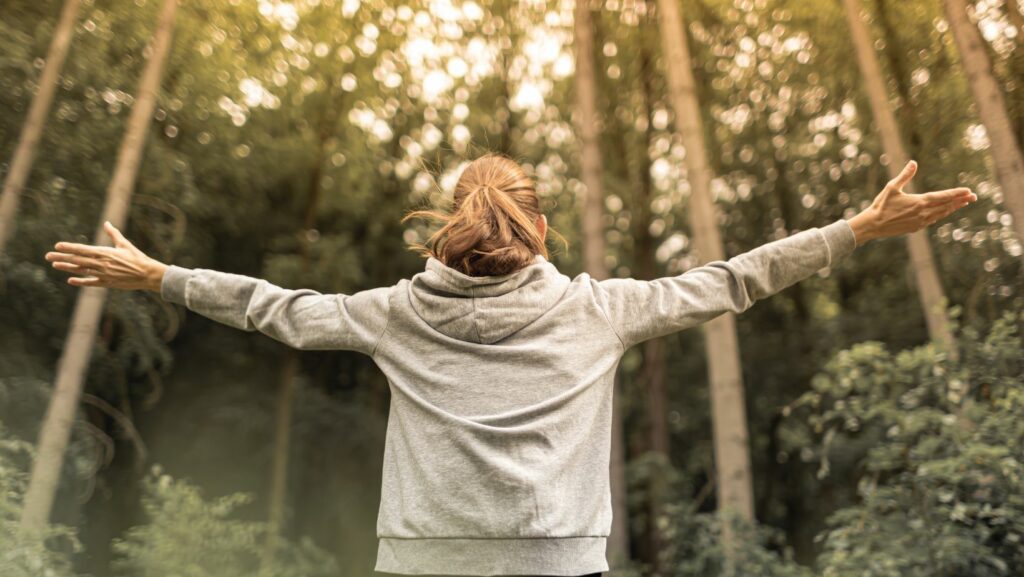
(840, 238)
(172, 287)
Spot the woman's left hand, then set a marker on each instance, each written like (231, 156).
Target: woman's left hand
(122, 266)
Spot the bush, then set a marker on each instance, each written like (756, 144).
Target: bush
(697, 548)
(23, 555)
(692, 541)
(941, 485)
(191, 536)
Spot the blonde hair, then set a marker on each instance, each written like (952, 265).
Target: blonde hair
(490, 230)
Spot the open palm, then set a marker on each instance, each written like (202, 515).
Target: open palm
(894, 212)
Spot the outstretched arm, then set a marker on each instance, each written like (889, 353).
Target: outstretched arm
(301, 318)
(640, 310)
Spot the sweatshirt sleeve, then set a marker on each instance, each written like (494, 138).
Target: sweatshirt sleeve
(640, 310)
(301, 318)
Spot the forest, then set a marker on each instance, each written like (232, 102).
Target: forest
(867, 421)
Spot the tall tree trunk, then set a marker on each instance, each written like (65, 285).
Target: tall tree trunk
(31, 133)
(279, 467)
(907, 119)
(929, 287)
(292, 365)
(728, 409)
(588, 133)
(1015, 68)
(74, 361)
(508, 124)
(784, 193)
(653, 372)
(1003, 144)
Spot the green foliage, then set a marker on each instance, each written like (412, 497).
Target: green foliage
(189, 535)
(941, 482)
(697, 549)
(186, 535)
(23, 554)
(692, 544)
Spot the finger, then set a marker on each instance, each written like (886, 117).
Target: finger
(119, 239)
(942, 212)
(82, 249)
(904, 176)
(85, 281)
(953, 208)
(75, 269)
(56, 257)
(940, 197)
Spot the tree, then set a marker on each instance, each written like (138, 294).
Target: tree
(74, 361)
(32, 131)
(588, 129)
(292, 365)
(988, 97)
(929, 286)
(653, 371)
(728, 406)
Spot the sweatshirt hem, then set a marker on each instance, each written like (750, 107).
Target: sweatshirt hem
(557, 556)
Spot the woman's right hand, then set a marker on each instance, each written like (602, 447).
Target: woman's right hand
(894, 212)
(122, 266)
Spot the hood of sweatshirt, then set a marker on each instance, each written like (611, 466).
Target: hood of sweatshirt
(485, 309)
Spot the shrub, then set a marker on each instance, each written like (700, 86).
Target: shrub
(941, 486)
(191, 536)
(21, 554)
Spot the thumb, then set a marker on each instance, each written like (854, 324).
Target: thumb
(904, 176)
(119, 239)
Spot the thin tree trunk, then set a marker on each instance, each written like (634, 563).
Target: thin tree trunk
(588, 132)
(292, 363)
(907, 119)
(279, 467)
(1015, 68)
(929, 287)
(653, 373)
(31, 133)
(1003, 144)
(507, 125)
(784, 194)
(728, 408)
(74, 361)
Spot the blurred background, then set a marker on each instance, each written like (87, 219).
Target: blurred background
(285, 140)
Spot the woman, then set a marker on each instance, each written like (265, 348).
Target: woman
(500, 367)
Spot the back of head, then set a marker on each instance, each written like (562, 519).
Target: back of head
(491, 229)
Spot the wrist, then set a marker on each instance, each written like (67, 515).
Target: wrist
(863, 225)
(155, 276)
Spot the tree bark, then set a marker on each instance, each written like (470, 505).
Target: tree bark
(588, 132)
(74, 361)
(279, 467)
(1003, 144)
(292, 365)
(929, 287)
(32, 132)
(653, 373)
(728, 406)
(907, 119)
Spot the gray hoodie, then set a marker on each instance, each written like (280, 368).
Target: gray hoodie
(499, 431)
